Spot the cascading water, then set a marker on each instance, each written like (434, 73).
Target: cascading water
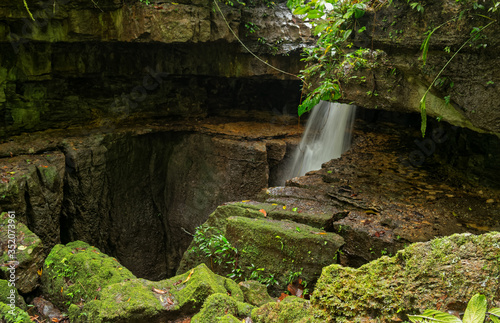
(327, 136)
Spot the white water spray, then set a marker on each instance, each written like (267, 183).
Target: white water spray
(327, 136)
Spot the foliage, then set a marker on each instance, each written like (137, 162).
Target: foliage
(475, 313)
(214, 245)
(334, 23)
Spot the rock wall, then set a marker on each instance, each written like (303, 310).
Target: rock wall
(81, 63)
(397, 79)
(136, 193)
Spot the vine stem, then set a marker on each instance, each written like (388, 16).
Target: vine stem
(248, 50)
(422, 100)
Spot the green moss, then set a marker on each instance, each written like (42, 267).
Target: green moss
(255, 293)
(201, 284)
(215, 307)
(129, 301)
(19, 316)
(228, 318)
(282, 247)
(244, 309)
(290, 310)
(446, 271)
(5, 290)
(78, 271)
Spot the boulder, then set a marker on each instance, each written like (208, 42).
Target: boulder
(440, 274)
(78, 271)
(94, 287)
(25, 258)
(255, 293)
(290, 310)
(261, 244)
(5, 293)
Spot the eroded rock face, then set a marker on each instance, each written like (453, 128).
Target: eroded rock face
(22, 255)
(396, 80)
(138, 192)
(82, 63)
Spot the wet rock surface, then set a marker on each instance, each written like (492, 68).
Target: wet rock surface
(82, 63)
(378, 201)
(396, 78)
(22, 254)
(137, 191)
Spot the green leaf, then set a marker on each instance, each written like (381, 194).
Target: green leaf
(495, 311)
(434, 316)
(423, 113)
(358, 13)
(476, 309)
(314, 14)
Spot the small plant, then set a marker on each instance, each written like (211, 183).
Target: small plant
(476, 312)
(213, 245)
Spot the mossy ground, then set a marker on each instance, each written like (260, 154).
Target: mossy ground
(19, 316)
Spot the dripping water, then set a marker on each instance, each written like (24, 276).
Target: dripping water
(327, 136)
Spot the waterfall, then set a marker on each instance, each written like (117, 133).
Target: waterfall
(327, 136)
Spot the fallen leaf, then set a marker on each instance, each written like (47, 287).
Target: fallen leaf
(169, 301)
(282, 297)
(189, 276)
(158, 291)
(318, 232)
(39, 271)
(263, 212)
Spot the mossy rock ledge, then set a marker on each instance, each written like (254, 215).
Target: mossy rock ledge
(440, 274)
(27, 258)
(94, 287)
(276, 241)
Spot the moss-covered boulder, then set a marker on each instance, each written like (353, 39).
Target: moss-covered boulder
(95, 287)
(271, 244)
(9, 295)
(16, 315)
(440, 274)
(23, 258)
(78, 271)
(139, 300)
(255, 293)
(215, 308)
(290, 310)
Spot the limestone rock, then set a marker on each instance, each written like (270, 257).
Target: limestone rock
(280, 248)
(255, 293)
(215, 307)
(79, 271)
(32, 187)
(5, 291)
(440, 274)
(400, 79)
(290, 310)
(27, 257)
(94, 287)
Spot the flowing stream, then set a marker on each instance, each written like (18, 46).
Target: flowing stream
(327, 136)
